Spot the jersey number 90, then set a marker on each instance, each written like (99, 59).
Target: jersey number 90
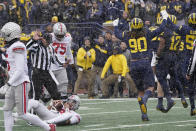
(138, 45)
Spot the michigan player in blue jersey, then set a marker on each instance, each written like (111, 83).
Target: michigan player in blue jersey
(188, 33)
(138, 40)
(167, 63)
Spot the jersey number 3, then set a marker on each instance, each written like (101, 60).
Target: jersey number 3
(59, 46)
(139, 44)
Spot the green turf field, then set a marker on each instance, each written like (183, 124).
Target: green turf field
(121, 114)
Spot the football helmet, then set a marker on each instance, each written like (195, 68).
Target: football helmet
(173, 19)
(136, 23)
(10, 31)
(59, 30)
(74, 101)
(192, 19)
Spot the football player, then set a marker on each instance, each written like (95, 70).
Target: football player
(188, 33)
(167, 64)
(138, 40)
(58, 112)
(17, 87)
(62, 44)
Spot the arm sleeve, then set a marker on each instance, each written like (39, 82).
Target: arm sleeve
(32, 45)
(19, 60)
(118, 33)
(92, 58)
(80, 55)
(157, 31)
(69, 54)
(175, 28)
(106, 66)
(124, 61)
(192, 62)
(55, 58)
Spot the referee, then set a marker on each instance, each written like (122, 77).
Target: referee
(42, 55)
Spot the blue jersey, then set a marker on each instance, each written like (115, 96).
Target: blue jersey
(173, 42)
(140, 47)
(188, 35)
(155, 41)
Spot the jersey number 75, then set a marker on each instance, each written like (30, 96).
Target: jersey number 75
(59, 48)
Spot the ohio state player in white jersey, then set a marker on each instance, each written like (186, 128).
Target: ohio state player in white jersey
(58, 112)
(62, 45)
(17, 88)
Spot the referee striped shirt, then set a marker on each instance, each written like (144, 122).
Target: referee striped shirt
(41, 56)
(192, 62)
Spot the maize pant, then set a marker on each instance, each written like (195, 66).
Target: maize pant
(88, 75)
(112, 79)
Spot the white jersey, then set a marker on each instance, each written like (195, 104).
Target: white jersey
(16, 58)
(53, 116)
(63, 50)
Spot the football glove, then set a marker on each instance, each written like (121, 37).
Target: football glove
(88, 53)
(164, 14)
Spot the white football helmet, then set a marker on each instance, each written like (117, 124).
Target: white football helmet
(59, 30)
(75, 101)
(10, 31)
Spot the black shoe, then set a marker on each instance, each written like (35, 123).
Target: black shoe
(170, 104)
(161, 108)
(184, 103)
(145, 117)
(104, 97)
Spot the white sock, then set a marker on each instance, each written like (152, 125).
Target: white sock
(60, 118)
(8, 120)
(35, 120)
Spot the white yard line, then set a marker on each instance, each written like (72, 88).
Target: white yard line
(186, 125)
(14, 125)
(94, 125)
(139, 125)
(122, 99)
(102, 113)
(101, 103)
(84, 108)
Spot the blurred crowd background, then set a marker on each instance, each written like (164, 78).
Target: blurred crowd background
(42, 11)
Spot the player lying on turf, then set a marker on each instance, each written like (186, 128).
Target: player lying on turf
(58, 112)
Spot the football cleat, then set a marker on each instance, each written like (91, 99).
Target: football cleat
(90, 97)
(161, 108)
(170, 104)
(142, 105)
(184, 103)
(193, 112)
(145, 117)
(52, 127)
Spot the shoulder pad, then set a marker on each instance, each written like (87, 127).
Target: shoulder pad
(18, 47)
